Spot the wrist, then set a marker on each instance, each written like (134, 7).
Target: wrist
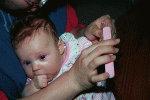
(73, 81)
(36, 88)
(77, 82)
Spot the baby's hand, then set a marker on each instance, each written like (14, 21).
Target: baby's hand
(40, 81)
(37, 83)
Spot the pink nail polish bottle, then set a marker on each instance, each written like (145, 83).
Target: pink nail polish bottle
(110, 66)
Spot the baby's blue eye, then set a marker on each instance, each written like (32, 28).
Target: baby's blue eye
(42, 57)
(27, 63)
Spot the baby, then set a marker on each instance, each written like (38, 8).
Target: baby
(44, 56)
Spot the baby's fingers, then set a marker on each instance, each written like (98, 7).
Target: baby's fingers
(40, 81)
(43, 84)
(43, 81)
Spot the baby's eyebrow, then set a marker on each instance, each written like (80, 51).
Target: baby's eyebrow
(39, 52)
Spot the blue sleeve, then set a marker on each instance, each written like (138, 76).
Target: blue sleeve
(59, 18)
(12, 75)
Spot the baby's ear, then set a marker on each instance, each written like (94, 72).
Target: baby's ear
(61, 46)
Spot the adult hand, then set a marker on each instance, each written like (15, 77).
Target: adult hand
(85, 68)
(82, 75)
(94, 31)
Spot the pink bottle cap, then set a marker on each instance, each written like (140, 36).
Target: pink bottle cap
(110, 66)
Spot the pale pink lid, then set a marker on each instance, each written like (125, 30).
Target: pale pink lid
(110, 66)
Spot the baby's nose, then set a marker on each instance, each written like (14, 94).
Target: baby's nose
(36, 67)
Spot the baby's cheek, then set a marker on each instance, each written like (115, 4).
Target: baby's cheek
(29, 74)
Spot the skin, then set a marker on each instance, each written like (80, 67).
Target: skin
(94, 30)
(39, 55)
(41, 58)
(82, 75)
(21, 5)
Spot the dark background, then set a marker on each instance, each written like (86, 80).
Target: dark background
(89, 10)
(131, 81)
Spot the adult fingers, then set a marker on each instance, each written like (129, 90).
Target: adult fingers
(98, 56)
(97, 32)
(113, 30)
(107, 20)
(99, 78)
(111, 42)
(92, 32)
(88, 50)
(102, 50)
(96, 62)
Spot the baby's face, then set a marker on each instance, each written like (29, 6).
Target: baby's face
(40, 55)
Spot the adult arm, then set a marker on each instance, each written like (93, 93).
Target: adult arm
(62, 88)
(82, 75)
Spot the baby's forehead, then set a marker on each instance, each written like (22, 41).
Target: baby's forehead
(46, 30)
(37, 37)
(41, 35)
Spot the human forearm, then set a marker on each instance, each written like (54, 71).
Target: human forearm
(63, 88)
(29, 89)
(82, 75)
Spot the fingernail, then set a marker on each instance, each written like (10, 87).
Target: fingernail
(107, 75)
(118, 40)
(116, 49)
(113, 57)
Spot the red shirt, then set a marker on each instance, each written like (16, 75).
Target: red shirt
(72, 19)
(3, 96)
